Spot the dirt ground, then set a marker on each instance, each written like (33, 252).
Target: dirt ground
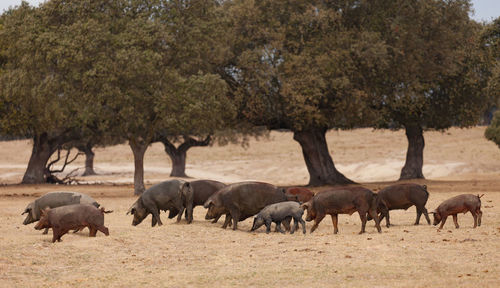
(202, 254)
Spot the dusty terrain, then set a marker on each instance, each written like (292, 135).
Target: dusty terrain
(202, 254)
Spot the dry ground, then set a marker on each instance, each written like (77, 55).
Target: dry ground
(203, 254)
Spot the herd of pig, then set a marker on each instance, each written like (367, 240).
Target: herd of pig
(65, 211)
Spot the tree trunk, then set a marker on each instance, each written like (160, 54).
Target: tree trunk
(320, 165)
(43, 148)
(178, 155)
(178, 163)
(415, 153)
(139, 147)
(89, 160)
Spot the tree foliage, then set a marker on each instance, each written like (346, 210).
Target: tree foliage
(435, 74)
(305, 66)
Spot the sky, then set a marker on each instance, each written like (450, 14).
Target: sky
(486, 10)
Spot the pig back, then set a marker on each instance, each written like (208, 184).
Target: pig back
(403, 196)
(459, 201)
(74, 216)
(164, 195)
(62, 198)
(251, 197)
(203, 189)
(300, 194)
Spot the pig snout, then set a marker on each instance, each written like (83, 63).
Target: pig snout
(437, 219)
(28, 220)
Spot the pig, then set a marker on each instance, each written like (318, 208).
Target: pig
(164, 196)
(53, 200)
(299, 194)
(201, 191)
(242, 200)
(336, 202)
(459, 204)
(70, 217)
(402, 196)
(278, 212)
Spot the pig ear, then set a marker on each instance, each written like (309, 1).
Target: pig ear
(45, 211)
(304, 205)
(132, 209)
(27, 210)
(208, 202)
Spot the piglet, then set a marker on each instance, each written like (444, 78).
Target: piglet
(459, 204)
(279, 212)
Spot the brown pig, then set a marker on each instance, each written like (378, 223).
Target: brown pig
(459, 204)
(70, 217)
(403, 196)
(336, 202)
(299, 194)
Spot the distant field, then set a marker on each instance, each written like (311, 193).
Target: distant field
(203, 254)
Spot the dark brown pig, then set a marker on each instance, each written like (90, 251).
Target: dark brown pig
(201, 191)
(299, 194)
(71, 217)
(242, 200)
(336, 202)
(459, 204)
(164, 196)
(403, 196)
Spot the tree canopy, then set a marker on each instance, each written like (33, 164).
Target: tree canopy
(434, 78)
(306, 67)
(182, 71)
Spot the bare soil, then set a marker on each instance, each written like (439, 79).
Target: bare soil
(202, 254)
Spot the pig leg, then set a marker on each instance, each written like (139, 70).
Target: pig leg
(45, 231)
(443, 221)
(296, 224)
(286, 222)
(303, 223)
(455, 220)
(189, 211)
(278, 227)
(426, 214)
(479, 216)
(475, 218)
(153, 221)
(180, 213)
(362, 216)
(103, 229)
(373, 214)
(387, 220)
(381, 216)
(55, 235)
(156, 215)
(268, 226)
(235, 215)
(93, 231)
(227, 221)
(317, 220)
(179, 216)
(419, 214)
(216, 218)
(335, 222)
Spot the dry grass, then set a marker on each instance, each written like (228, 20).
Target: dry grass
(203, 254)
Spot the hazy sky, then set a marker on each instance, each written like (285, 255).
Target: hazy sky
(485, 9)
